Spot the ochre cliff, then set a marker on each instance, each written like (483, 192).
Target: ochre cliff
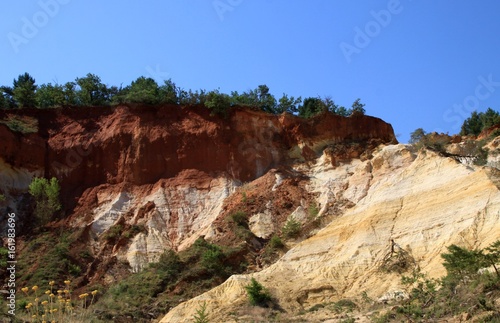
(168, 169)
(423, 202)
(87, 147)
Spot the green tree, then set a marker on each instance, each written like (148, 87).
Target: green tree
(489, 118)
(417, 136)
(91, 91)
(259, 98)
(461, 263)
(49, 96)
(479, 121)
(257, 294)
(143, 90)
(266, 101)
(218, 103)
(291, 229)
(23, 91)
(201, 315)
(472, 125)
(311, 107)
(288, 104)
(358, 107)
(492, 256)
(169, 92)
(46, 194)
(70, 95)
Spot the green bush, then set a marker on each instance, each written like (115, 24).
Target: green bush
(291, 229)
(240, 218)
(257, 294)
(276, 242)
(21, 124)
(46, 194)
(201, 315)
(114, 232)
(218, 103)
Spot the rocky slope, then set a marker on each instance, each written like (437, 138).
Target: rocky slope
(424, 202)
(167, 171)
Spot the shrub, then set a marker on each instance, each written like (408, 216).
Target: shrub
(46, 194)
(201, 315)
(257, 294)
(313, 210)
(114, 232)
(240, 218)
(291, 229)
(218, 103)
(276, 242)
(21, 124)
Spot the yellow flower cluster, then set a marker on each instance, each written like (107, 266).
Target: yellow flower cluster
(51, 308)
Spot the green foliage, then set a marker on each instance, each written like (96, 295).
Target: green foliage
(311, 107)
(259, 98)
(201, 315)
(218, 103)
(257, 294)
(358, 107)
(21, 124)
(23, 91)
(291, 229)
(313, 210)
(143, 90)
(168, 266)
(91, 92)
(169, 92)
(467, 287)
(52, 261)
(114, 232)
(46, 194)
(462, 264)
(434, 141)
(50, 96)
(212, 258)
(417, 136)
(276, 242)
(479, 121)
(240, 218)
(70, 96)
(288, 104)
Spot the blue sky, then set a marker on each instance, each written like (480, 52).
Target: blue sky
(414, 63)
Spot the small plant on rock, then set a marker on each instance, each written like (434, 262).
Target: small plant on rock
(257, 294)
(201, 315)
(291, 229)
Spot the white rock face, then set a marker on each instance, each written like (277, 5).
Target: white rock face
(261, 224)
(173, 216)
(424, 203)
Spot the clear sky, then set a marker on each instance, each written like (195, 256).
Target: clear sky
(414, 63)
